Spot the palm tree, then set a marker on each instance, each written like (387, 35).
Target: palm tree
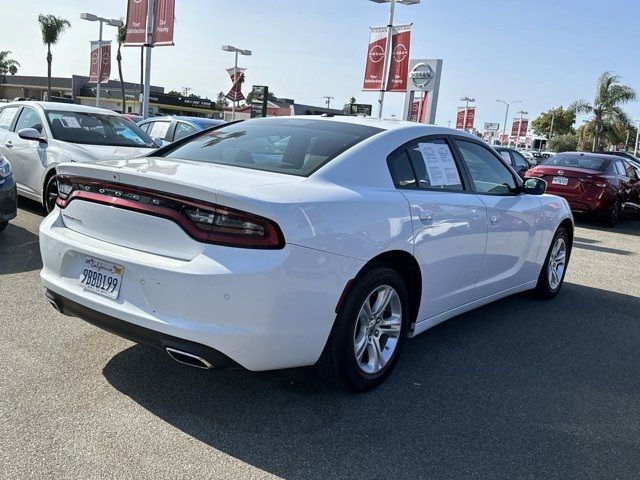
(607, 106)
(51, 27)
(8, 65)
(122, 33)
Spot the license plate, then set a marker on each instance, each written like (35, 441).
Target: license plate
(103, 278)
(560, 181)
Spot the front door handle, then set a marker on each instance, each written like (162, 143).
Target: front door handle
(494, 220)
(425, 217)
(9, 144)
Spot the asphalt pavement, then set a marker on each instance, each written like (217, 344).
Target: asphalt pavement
(520, 389)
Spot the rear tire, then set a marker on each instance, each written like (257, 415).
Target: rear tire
(613, 215)
(50, 193)
(555, 266)
(369, 332)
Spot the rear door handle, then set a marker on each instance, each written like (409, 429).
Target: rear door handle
(425, 217)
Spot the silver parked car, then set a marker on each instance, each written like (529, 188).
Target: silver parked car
(36, 136)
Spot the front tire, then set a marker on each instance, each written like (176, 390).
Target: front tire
(50, 193)
(555, 266)
(369, 332)
(613, 215)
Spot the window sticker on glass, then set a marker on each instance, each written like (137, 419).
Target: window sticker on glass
(505, 156)
(159, 129)
(70, 122)
(440, 164)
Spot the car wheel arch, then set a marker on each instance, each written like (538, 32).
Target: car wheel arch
(47, 176)
(406, 266)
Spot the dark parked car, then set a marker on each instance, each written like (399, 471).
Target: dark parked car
(8, 195)
(515, 159)
(601, 185)
(170, 129)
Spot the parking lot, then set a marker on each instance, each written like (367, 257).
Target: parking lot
(517, 389)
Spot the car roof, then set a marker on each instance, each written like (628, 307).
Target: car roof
(588, 154)
(62, 107)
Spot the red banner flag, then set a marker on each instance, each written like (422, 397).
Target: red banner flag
(460, 118)
(106, 62)
(237, 78)
(163, 14)
(419, 109)
(374, 69)
(471, 116)
(399, 61)
(136, 23)
(522, 125)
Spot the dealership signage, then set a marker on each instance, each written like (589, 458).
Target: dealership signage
(259, 98)
(237, 79)
(163, 22)
(360, 109)
(95, 64)
(492, 127)
(398, 60)
(180, 101)
(523, 125)
(422, 90)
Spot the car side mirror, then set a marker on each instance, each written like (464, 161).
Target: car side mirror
(534, 186)
(159, 142)
(31, 134)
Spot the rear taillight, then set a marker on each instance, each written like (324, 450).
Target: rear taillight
(598, 182)
(205, 222)
(534, 173)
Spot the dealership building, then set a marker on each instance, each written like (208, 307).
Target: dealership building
(78, 89)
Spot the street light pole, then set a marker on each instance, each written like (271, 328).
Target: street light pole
(109, 21)
(230, 48)
(506, 115)
(635, 150)
(553, 119)
(147, 64)
(387, 51)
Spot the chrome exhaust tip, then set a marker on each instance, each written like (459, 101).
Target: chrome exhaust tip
(188, 358)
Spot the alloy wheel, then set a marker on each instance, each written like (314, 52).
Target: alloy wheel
(557, 263)
(377, 329)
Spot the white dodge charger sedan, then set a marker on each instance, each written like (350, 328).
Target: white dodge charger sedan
(282, 242)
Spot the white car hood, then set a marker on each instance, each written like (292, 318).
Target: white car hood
(92, 153)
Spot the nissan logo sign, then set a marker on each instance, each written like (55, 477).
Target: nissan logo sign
(421, 75)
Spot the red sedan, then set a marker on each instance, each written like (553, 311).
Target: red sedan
(601, 185)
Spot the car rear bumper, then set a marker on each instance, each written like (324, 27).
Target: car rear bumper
(263, 309)
(594, 203)
(8, 199)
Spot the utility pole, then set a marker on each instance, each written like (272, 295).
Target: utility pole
(553, 118)
(506, 116)
(147, 66)
(185, 91)
(328, 101)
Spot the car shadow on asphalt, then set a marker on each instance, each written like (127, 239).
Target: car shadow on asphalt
(517, 389)
(19, 250)
(629, 224)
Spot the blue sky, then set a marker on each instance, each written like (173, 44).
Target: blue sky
(543, 52)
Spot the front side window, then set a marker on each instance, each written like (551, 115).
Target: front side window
(620, 170)
(488, 173)
(96, 129)
(7, 115)
(28, 118)
(184, 130)
(289, 145)
(631, 172)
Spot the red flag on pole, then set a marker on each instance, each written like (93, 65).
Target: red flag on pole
(106, 62)
(460, 118)
(374, 69)
(136, 23)
(399, 61)
(471, 116)
(514, 127)
(163, 15)
(237, 78)
(524, 126)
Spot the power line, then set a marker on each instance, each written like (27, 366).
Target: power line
(328, 99)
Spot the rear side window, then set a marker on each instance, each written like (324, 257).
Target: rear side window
(620, 170)
(427, 164)
(519, 161)
(7, 115)
(183, 130)
(291, 146)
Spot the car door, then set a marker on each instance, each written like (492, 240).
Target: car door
(30, 155)
(7, 120)
(514, 218)
(623, 181)
(449, 222)
(634, 184)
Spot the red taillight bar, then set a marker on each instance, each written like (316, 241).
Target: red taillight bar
(272, 239)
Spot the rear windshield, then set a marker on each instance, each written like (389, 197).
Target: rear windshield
(292, 146)
(577, 161)
(97, 129)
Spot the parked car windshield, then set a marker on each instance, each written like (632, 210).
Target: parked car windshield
(577, 161)
(97, 129)
(291, 146)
